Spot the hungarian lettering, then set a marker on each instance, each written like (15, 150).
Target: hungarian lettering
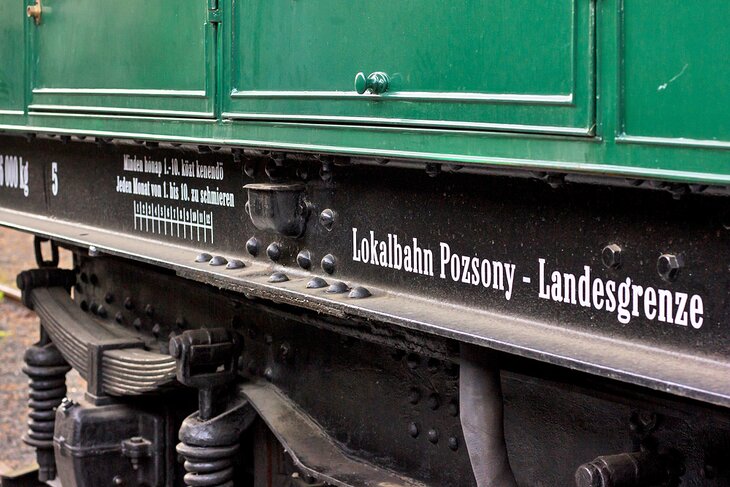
(180, 182)
(168, 189)
(626, 298)
(14, 173)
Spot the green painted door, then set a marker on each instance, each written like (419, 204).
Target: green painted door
(130, 57)
(515, 65)
(676, 72)
(12, 57)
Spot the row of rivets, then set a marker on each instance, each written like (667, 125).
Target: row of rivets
(304, 258)
(218, 261)
(433, 436)
(337, 287)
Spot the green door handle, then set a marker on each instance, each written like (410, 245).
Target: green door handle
(376, 83)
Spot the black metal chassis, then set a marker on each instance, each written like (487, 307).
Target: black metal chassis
(577, 381)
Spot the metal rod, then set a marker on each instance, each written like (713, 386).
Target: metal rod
(482, 418)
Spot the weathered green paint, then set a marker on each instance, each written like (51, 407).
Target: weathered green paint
(122, 57)
(677, 69)
(457, 65)
(12, 53)
(624, 51)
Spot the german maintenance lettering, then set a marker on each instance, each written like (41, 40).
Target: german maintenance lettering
(625, 299)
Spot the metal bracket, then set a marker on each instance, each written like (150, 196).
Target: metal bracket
(206, 359)
(37, 241)
(95, 375)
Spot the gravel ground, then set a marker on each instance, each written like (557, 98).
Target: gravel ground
(18, 330)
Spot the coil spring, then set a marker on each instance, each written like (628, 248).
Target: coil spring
(208, 466)
(47, 370)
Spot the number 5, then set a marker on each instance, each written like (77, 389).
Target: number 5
(54, 178)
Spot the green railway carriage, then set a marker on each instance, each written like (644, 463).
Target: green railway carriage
(384, 243)
(627, 88)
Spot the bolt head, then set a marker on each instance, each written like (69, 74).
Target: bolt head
(328, 263)
(304, 259)
(433, 436)
(668, 266)
(274, 251)
(327, 219)
(453, 443)
(588, 475)
(252, 246)
(611, 256)
(413, 430)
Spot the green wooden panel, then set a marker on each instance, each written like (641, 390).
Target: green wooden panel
(677, 69)
(125, 57)
(12, 55)
(497, 64)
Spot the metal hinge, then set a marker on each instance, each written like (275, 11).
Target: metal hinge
(214, 13)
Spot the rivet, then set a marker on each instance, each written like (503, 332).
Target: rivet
(94, 279)
(359, 293)
(235, 264)
(101, 311)
(317, 283)
(252, 246)
(668, 266)
(84, 306)
(119, 317)
(109, 297)
(156, 330)
(338, 287)
(149, 310)
(93, 251)
(414, 396)
(117, 480)
(433, 170)
(269, 374)
(453, 443)
(433, 436)
(434, 401)
(304, 259)
(203, 258)
(137, 324)
(413, 430)
(277, 277)
(611, 256)
(453, 408)
(218, 261)
(94, 308)
(327, 219)
(325, 172)
(328, 263)
(128, 303)
(274, 251)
